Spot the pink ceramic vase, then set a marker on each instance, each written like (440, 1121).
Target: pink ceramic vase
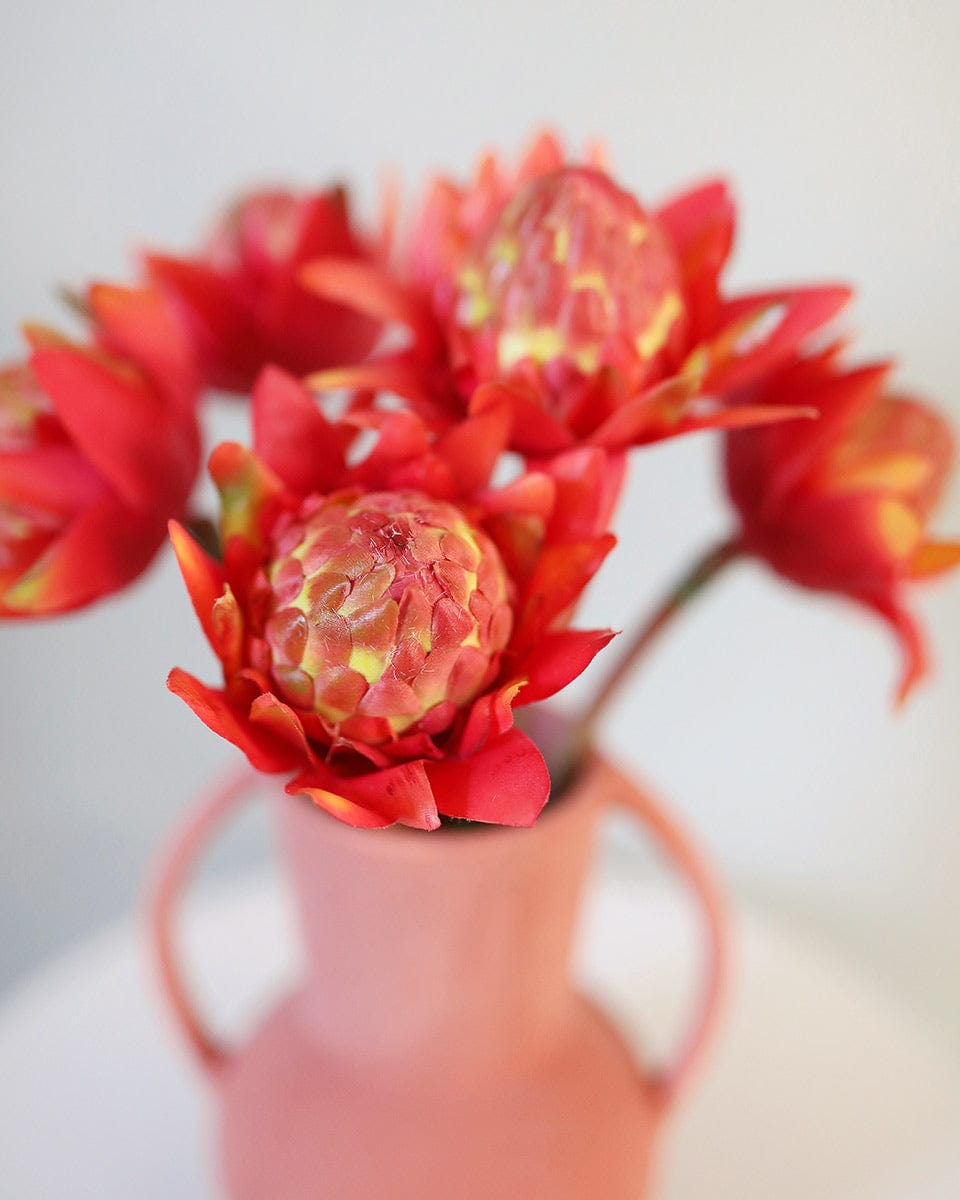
(436, 1049)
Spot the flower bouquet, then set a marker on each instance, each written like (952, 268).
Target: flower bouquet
(443, 413)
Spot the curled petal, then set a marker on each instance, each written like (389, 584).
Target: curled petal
(265, 750)
(504, 783)
(394, 795)
(910, 636)
(557, 658)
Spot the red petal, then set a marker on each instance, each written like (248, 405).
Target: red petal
(374, 800)
(270, 713)
(560, 575)
(112, 416)
(264, 749)
(700, 224)
(472, 447)
(293, 438)
(138, 324)
(102, 550)
(505, 783)
(535, 431)
(557, 658)
(226, 341)
(912, 643)
(55, 479)
(249, 493)
(367, 289)
(743, 350)
(203, 577)
(933, 558)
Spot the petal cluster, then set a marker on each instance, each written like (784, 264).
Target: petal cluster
(379, 617)
(241, 297)
(605, 321)
(841, 504)
(99, 448)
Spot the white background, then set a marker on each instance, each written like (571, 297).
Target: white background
(766, 717)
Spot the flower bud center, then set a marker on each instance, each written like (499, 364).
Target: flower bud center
(572, 276)
(385, 611)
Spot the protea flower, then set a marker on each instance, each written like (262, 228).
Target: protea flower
(97, 452)
(241, 297)
(841, 504)
(602, 319)
(378, 622)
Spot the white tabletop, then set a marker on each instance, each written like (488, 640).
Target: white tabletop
(818, 1086)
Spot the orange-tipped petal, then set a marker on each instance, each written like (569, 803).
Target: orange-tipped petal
(394, 795)
(249, 492)
(933, 558)
(203, 577)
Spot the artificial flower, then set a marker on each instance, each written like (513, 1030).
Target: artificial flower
(99, 448)
(605, 321)
(378, 619)
(841, 504)
(242, 299)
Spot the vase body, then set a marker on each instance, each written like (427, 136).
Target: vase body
(436, 1049)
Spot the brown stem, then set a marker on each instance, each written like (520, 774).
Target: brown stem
(695, 579)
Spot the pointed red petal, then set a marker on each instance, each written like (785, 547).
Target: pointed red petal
(759, 332)
(203, 577)
(560, 575)
(912, 643)
(535, 431)
(111, 415)
(505, 783)
(270, 713)
(557, 658)
(138, 324)
(472, 447)
(700, 224)
(367, 289)
(293, 438)
(264, 749)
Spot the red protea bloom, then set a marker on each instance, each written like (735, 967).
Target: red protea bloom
(377, 622)
(604, 320)
(97, 453)
(242, 299)
(840, 504)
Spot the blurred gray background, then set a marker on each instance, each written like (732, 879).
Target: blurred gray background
(766, 717)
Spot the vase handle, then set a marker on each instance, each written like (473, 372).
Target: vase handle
(173, 873)
(685, 858)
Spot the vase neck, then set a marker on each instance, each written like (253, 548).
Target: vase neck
(459, 938)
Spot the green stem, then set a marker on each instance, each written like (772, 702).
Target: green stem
(692, 583)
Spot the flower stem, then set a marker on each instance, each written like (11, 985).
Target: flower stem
(704, 570)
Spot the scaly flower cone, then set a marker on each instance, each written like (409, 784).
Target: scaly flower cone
(377, 622)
